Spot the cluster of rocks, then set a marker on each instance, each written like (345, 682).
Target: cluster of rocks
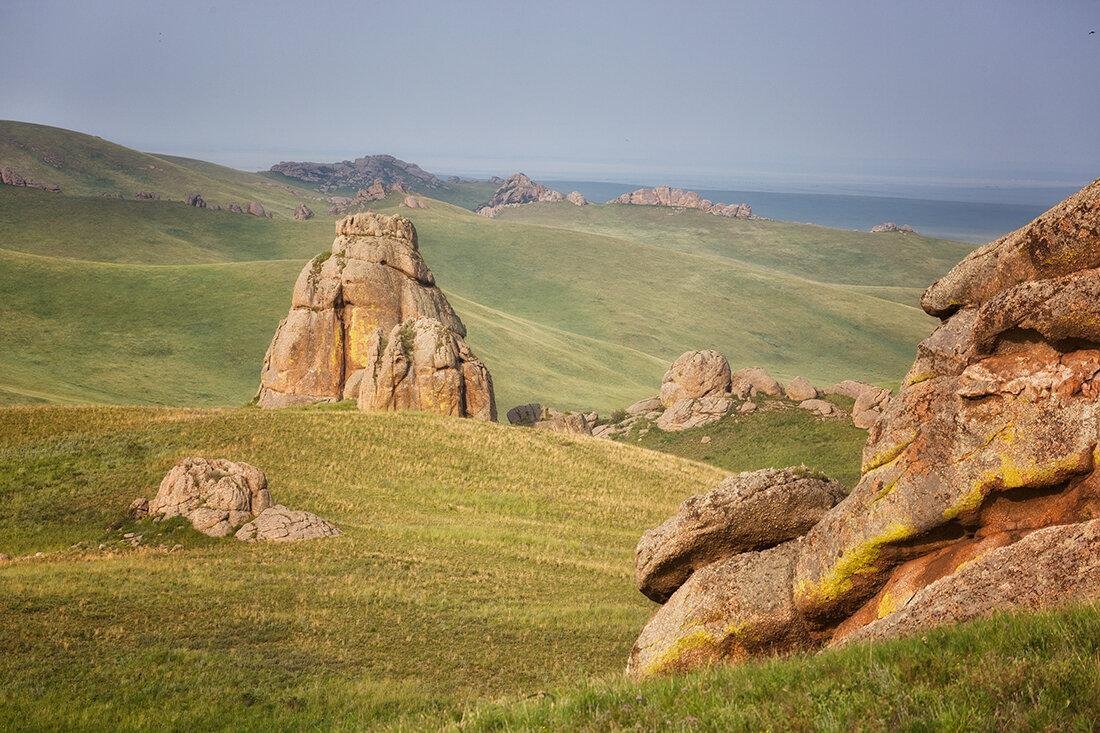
(699, 389)
(196, 200)
(386, 169)
(679, 198)
(889, 226)
(147, 196)
(518, 190)
(539, 417)
(9, 177)
(368, 323)
(376, 191)
(979, 487)
(221, 497)
(414, 202)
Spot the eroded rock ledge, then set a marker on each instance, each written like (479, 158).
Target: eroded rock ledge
(979, 487)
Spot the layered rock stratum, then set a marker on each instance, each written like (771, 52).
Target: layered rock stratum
(367, 322)
(979, 487)
(679, 198)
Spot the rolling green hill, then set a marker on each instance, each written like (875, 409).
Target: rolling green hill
(484, 579)
(138, 302)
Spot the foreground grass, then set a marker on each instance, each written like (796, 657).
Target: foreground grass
(1011, 672)
(477, 561)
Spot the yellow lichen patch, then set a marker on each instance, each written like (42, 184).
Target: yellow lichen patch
(860, 560)
(1012, 475)
(362, 324)
(890, 454)
(886, 605)
(886, 489)
(696, 640)
(918, 377)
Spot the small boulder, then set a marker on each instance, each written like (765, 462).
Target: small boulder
(746, 408)
(302, 212)
(695, 374)
(576, 198)
(799, 390)
(528, 414)
(414, 202)
(746, 512)
(146, 196)
(694, 413)
(234, 207)
(139, 508)
(652, 404)
(256, 209)
(196, 200)
(217, 496)
(572, 423)
(279, 524)
(820, 407)
(753, 381)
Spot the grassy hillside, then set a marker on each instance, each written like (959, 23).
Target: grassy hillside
(126, 301)
(85, 165)
(483, 579)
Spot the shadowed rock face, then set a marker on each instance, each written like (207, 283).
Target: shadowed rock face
(347, 309)
(993, 438)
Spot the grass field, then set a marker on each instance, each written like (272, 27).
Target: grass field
(483, 580)
(155, 302)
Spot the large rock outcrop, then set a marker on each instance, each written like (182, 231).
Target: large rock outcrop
(695, 389)
(517, 190)
(386, 169)
(367, 322)
(679, 198)
(992, 440)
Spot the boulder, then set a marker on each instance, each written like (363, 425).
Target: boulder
(234, 208)
(576, 198)
(746, 408)
(799, 389)
(196, 200)
(517, 190)
(572, 423)
(822, 408)
(217, 496)
(146, 196)
(302, 212)
(414, 202)
(11, 178)
(527, 414)
(695, 374)
(279, 524)
(641, 407)
(694, 413)
(256, 209)
(748, 511)
(753, 381)
(347, 308)
(850, 388)
(979, 487)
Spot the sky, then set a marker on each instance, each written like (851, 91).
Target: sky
(776, 93)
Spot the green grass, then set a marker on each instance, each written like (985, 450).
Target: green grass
(483, 582)
(85, 165)
(780, 435)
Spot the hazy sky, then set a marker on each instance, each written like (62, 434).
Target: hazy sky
(720, 92)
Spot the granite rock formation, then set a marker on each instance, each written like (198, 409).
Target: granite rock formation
(986, 461)
(517, 190)
(360, 172)
(681, 199)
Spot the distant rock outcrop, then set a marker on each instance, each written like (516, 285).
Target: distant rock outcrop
(257, 209)
(147, 196)
(11, 178)
(890, 226)
(368, 323)
(679, 198)
(360, 172)
(980, 489)
(302, 212)
(220, 497)
(576, 198)
(414, 202)
(516, 191)
(196, 200)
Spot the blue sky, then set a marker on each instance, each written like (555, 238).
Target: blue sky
(720, 93)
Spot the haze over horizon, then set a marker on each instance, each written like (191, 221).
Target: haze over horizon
(859, 96)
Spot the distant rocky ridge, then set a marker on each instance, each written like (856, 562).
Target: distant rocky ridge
(519, 189)
(679, 198)
(359, 173)
(368, 323)
(979, 488)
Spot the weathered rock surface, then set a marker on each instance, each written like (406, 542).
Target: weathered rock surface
(576, 198)
(573, 423)
(215, 495)
(695, 374)
(414, 202)
(688, 413)
(799, 389)
(889, 226)
(752, 381)
(257, 209)
(279, 524)
(979, 486)
(641, 407)
(749, 511)
(302, 212)
(525, 414)
(822, 408)
(361, 306)
(517, 190)
(426, 366)
(678, 198)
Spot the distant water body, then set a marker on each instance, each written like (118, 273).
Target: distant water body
(964, 220)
